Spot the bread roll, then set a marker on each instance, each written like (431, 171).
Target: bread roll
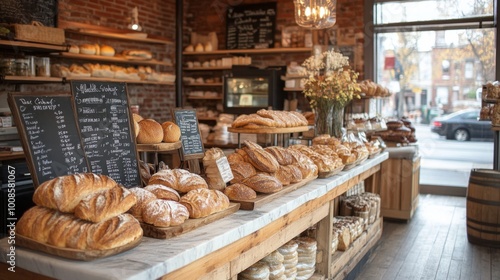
(163, 192)
(180, 180)
(171, 132)
(65, 192)
(106, 204)
(150, 132)
(64, 230)
(143, 198)
(87, 49)
(164, 213)
(204, 202)
(240, 192)
(263, 183)
(107, 50)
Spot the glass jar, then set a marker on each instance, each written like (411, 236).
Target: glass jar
(21, 67)
(42, 66)
(8, 67)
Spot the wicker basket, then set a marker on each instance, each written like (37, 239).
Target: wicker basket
(39, 34)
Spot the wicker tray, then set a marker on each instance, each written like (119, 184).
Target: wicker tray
(39, 34)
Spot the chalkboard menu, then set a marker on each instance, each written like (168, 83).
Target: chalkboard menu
(192, 145)
(26, 11)
(104, 118)
(49, 133)
(251, 26)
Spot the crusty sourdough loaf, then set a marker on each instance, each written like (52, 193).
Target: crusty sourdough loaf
(65, 192)
(104, 205)
(204, 202)
(164, 213)
(239, 191)
(241, 170)
(280, 154)
(66, 231)
(171, 132)
(143, 197)
(263, 183)
(260, 158)
(178, 179)
(163, 192)
(150, 132)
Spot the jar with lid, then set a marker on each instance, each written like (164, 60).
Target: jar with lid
(7, 66)
(42, 66)
(21, 67)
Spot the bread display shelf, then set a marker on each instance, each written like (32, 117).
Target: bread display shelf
(29, 79)
(372, 155)
(112, 33)
(82, 255)
(331, 173)
(188, 225)
(204, 84)
(262, 199)
(349, 166)
(33, 46)
(268, 130)
(118, 80)
(251, 51)
(159, 147)
(115, 59)
(206, 68)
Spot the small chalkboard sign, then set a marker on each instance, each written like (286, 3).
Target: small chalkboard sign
(49, 134)
(103, 114)
(192, 145)
(26, 11)
(251, 26)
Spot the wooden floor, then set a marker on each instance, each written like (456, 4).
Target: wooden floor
(433, 245)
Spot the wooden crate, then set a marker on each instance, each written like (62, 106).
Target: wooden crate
(399, 187)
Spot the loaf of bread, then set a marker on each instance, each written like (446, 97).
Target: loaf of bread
(204, 202)
(263, 183)
(235, 157)
(65, 192)
(171, 132)
(260, 158)
(288, 174)
(305, 164)
(254, 119)
(143, 197)
(180, 180)
(163, 192)
(107, 50)
(106, 204)
(150, 132)
(239, 191)
(64, 230)
(164, 213)
(241, 170)
(142, 54)
(214, 177)
(280, 154)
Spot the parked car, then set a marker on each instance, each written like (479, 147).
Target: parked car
(462, 126)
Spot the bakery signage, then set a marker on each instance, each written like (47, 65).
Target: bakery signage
(251, 26)
(102, 110)
(192, 145)
(49, 133)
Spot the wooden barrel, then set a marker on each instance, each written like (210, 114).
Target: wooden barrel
(483, 207)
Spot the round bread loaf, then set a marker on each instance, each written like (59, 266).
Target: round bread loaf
(150, 132)
(74, 49)
(171, 132)
(240, 192)
(163, 192)
(107, 50)
(137, 117)
(87, 49)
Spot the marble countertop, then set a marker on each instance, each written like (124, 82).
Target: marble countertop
(154, 258)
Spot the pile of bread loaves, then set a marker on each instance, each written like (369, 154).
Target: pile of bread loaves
(105, 50)
(350, 152)
(174, 195)
(149, 131)
(372, 89)
(270, 118)
(399, 131)
(294, 260)
(81, 211)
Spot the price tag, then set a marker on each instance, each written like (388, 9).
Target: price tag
(224, 169)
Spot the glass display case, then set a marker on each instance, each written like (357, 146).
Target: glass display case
(248, 89)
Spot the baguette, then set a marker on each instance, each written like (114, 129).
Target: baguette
(65, 192)
(64, 230)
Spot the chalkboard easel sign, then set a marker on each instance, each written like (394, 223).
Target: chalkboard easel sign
(192, 145)
(49, 134)
(103, 114)
(251, 26)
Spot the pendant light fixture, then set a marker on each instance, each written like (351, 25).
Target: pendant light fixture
(315, 14)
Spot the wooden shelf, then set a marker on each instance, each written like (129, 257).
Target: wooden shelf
(115, 59)
(204, 98)
(293, 89)
(207, 118)
(32, 46)
(206, 68)
(203, 84)
(120, 81)
(106, 32)
(32, 79)
(292, 77)
(252, 51)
